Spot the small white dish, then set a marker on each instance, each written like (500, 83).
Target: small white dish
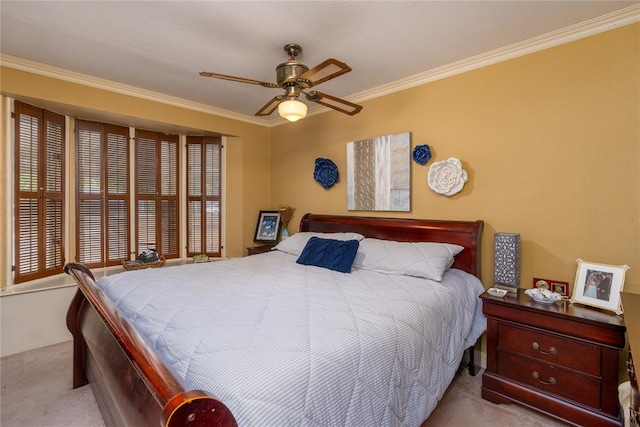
(497, 292)
(543, 296)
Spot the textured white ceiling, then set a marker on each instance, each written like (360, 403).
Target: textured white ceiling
(161, 46)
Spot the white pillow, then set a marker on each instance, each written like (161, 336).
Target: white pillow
(420, 259)
(295, 243)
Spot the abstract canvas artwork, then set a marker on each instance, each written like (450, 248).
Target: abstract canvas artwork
(379, 173)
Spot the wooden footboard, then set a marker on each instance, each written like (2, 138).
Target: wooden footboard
(131, 384)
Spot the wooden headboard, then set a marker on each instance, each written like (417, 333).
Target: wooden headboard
(463, 233)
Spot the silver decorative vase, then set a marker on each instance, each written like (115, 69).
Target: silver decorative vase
(506, 261)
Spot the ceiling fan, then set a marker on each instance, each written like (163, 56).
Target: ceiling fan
(295, 78)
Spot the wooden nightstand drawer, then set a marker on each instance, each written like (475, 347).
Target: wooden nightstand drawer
(579, 388)
(550, 348)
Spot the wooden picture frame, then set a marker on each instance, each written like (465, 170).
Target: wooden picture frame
(599, 285)
(268, 227)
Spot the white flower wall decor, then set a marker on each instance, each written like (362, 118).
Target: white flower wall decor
(447, 177)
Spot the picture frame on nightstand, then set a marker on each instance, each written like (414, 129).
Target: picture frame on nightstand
(599, 285)
(268, 226)
(560, 288)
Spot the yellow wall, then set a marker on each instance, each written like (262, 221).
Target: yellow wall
(247, 183)
(551, 143)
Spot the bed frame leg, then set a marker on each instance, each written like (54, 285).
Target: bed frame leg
(468, 361)
(472, 365)
(73, 324)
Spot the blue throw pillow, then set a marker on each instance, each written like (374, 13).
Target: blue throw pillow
(337, 255)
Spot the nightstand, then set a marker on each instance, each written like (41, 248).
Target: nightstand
(560, 359)
(631, 304)
(260, 249)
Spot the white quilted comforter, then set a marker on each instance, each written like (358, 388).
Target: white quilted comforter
(283, 344)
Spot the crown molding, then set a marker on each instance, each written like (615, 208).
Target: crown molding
(578, 31)
(85, 80)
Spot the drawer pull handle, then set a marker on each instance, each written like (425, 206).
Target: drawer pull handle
(536, 347)
(551, 381)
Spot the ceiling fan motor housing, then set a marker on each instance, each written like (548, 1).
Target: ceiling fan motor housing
(289, 71)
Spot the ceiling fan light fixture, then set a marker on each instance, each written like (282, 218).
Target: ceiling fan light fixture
(292, 110)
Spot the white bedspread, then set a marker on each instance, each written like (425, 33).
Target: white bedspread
(283, 344)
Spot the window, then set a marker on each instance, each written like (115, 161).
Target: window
(39, 192)
(102, 193)
(157, 193)
(126, 198)
(203, 195)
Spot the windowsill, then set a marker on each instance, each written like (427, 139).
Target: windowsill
(65, 281)
(54, 282)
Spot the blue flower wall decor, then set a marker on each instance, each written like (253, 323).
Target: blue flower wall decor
(421, 154)
(325, 172)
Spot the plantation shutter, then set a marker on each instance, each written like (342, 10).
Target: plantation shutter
(39, 192)
(117, 194)
(203, 195)
(103, 193)
(157, 193)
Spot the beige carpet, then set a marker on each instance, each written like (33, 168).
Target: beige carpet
(36, 391)
(462, 405)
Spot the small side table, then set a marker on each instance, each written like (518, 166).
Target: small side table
(260, 249)
(560, 359)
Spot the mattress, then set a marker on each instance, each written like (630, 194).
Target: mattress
(283, 344)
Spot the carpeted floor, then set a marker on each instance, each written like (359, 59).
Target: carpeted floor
(36, 391)
(462, 405)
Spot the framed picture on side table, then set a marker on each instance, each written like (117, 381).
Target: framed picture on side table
(561, 288)
(268, 226)
(599, 285)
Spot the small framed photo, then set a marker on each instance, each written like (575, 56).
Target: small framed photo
(268, 226)
(599, 285)
(561, 288)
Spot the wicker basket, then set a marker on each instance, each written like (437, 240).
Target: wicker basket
(137, 265)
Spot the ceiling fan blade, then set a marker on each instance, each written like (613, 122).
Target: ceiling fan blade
(270, 106)
(332, 102)
(324, 71)
(238, 79)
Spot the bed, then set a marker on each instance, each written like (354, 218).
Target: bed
(141, 376)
